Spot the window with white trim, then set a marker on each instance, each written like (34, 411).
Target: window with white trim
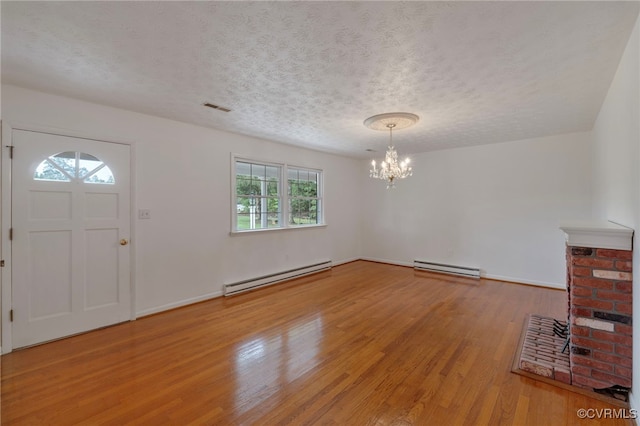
(274, 196)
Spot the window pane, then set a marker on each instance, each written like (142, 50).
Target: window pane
(87, 165)
(66, 161)
(242, 204)
(103, 175)
(254, 186)
(273, 172)
(259, 171)
(248, 187)
(294, 188)
(273, 205)
(242, 185)
(243, 221)
(303, 212)
(243, 169)
(89, 157)
(294, 212)
(272, 188)
(47, 171)
(249, 221)
(274, 222)
(303, 183)
(310, 189)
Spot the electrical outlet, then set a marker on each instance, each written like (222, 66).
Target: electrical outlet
(144, 214)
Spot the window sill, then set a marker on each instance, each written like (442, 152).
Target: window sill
(288, 228)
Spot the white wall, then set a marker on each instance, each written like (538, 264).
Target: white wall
(617, 169)
(185, 252)
(496, 207)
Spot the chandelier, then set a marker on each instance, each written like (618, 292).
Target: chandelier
(390, 169)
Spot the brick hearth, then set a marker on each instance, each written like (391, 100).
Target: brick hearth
(542, 351)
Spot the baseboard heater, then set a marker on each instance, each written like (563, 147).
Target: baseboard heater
(447, 269)
(265, 280)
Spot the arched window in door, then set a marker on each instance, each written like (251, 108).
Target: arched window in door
(73, 166)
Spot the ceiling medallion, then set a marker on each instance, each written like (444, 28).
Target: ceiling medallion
(390, 169)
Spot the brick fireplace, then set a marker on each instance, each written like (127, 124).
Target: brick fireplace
(599, 284)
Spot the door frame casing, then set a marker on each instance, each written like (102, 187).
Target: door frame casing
(5, 246)
(6, 342)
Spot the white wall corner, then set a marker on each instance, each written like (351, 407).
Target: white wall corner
(342, 262)
(633, 404)
(598, 234)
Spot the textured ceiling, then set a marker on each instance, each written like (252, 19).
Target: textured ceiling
(309, 73)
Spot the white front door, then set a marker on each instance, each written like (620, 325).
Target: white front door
(70, 239)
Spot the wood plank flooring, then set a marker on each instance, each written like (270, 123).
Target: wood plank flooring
(362, 344)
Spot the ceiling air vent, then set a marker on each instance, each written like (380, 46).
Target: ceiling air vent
(218, 107)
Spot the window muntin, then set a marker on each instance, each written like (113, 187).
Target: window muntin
(261, 200)
(74, 166)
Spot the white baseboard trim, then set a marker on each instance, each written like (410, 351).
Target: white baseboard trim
(390, 262)
(178, 304)
(521, 281)
(482, 274)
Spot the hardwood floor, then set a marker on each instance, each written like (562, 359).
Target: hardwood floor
(364, 343)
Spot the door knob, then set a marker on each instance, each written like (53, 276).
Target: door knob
(124, 242)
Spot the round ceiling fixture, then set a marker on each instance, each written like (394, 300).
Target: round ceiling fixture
(395, 120)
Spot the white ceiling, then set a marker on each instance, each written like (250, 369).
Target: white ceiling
(309, 73)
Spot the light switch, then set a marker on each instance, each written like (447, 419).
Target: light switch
(144, 214)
